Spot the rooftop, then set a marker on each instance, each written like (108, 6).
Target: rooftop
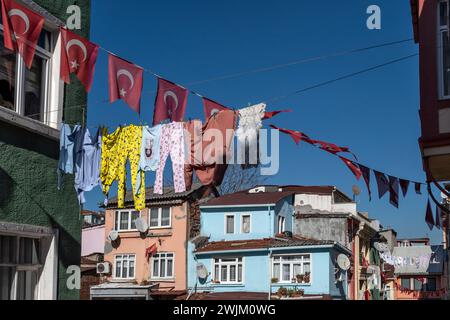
(246, 198)
(261, 244)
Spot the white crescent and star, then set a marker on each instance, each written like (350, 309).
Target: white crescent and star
(214, 111)
(78, 43)
(174, 97)
(126, 73)
(20, 14)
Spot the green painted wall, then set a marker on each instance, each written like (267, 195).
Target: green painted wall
(28, 162)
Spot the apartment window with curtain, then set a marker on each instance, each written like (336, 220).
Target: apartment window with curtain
(163, 266)
(124, 267)
(246, 224)
(126, 220)
(288, 268)
(281, 224)
(20, 267)
(160, 218)
(229, 224)
(444, 51)
(229, 271)
(26, 91)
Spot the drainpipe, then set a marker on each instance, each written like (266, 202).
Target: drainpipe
(270, 274)
(357, 264)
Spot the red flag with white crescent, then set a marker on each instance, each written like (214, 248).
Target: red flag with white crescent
(170, 102)
(211, 107)
(353, 167)
(21, 29)
(78, 56)
(125, 82)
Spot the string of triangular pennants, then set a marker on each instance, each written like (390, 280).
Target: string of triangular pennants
(386, 183)
(22, 28)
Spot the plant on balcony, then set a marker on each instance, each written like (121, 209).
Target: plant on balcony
(307, 278)
(274, 280)
(300, 278)
(282, 292)
(291, 293)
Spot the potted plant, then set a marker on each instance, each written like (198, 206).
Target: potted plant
(291, 293)
(300, 293)
(300, 278)
(307, 278)
(282, 292)
(274, 280)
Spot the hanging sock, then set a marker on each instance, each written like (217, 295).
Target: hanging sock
(429, 217)
(382, 182)
(404, 184)
(394, 189)
(366, 175)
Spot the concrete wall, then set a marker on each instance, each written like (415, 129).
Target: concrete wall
(170, 240)
(28, 165)
(323, 228)
(93, 240)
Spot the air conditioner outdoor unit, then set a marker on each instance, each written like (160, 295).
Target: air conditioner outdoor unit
(104, 268)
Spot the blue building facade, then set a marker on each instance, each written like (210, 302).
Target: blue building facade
(246, 245)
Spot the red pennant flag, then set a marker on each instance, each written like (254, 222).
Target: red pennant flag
(151, 251)
(170, 102)
(78, 56)
(270, 115)
(211, 107)
(394, 190)
(125, 82)
(296, 135)
(353, 167)
(429, 217)
(22, 28)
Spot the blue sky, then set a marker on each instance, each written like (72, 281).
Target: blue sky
(375, 114)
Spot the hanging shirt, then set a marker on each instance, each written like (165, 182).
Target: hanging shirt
(68, 138)
(117, 148)
(150, 152)
(87, 163)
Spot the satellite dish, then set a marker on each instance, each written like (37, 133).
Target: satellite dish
(343, 262)
(381, 247)
(356, 190)
(202, 271)
(113, 235)
(141, 225)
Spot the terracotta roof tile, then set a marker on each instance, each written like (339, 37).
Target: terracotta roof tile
(245, 198)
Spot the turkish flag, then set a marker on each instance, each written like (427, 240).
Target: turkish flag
(170, 102)
(22, 28)
(353, 167)
(125, 82)
(211, 107)
(78, 56)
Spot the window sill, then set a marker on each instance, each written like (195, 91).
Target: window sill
(234, 285)
(171, 280)
(31, 125)
(290, 284)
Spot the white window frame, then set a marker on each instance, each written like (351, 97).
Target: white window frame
(162, 256)
(226, 224)
(242, 223)
(160, 211)
(18, 267)
(124, 257)
(52, 95)
(117, 221)
(291, 263)
(221, 263)
(281, 224)
(440, 58)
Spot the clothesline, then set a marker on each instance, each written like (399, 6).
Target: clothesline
(277, 98)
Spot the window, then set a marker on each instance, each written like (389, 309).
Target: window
(125, 266)
(229, 224)
(288, 268)
(418, 284)
(26, 91)
(281, 225)
(160, 218)
(406, 283)
(163, 264)
(246, 224)
(444, 52)
(228, 271)
(19, 267)
(126, 220)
